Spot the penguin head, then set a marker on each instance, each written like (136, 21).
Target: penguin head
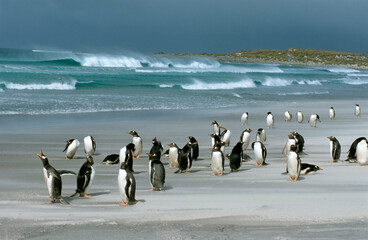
(192, 139)
(154, 141)
(214, 122)
(332, 138)
(133, 133)
(269, 113)
(319, 120)
(131, 146)
(90, 160)
(249, 130)
(357, 105)
(43, 158)
(332, 108)
(290, 136)
(260, 130)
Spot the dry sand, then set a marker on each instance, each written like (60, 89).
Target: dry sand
(255, 203)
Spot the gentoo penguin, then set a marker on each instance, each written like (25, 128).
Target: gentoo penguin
(357, 110)
(185, 159)
(156, 148)
(352, 154)
(299, 141)
(137, 141)
(214, 139)
(71, 148)
(260, 153)
(313, 120)
(217, 160)
(195, 148)
(261, 135)
(335, 149)
(306, 168)
(173, 155)
(361, 152)
(126, 155)
(111, 159)
(89, 145)
(53, 179)
(287, 116)
(236, 156)
(245, 138)
(85, 176)
(216, 127)
(156, 172)
(299, 117)
(270, 120)
(293, 164)
(244, 119)
(287, 148)
(126, 183)
(332, 113)
(225, 137)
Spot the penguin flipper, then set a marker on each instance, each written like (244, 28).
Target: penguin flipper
(66, 172)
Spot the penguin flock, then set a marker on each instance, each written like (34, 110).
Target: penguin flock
(182, 158)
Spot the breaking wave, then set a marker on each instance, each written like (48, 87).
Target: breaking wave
(35, 86)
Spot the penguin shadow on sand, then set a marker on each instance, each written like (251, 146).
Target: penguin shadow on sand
(69, 199)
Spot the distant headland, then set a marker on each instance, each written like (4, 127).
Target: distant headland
(294, 56)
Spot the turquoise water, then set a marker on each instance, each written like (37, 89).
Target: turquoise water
(47, 82)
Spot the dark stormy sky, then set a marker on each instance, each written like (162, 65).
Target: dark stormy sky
(218, 26)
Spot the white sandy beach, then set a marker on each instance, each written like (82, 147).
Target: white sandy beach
(255, 203)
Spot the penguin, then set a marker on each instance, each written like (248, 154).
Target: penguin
(293, 164)
(352, 154)
(245, 138)
(270, 120)
(306, 168)
(216, 127)
(195, 148)
(185, 159)
(260, 153)
(111, 159)
(84, 178)
(361, 152)
(53, 179)
(71, 148)
(127, 185)
(156, 173)
(244, 119)
(299, 117)
(225, 137)
(89, 145)
(214, 139)
(357, 110)
(156, 148)
(299, 141)
(287, 148)
(261, 135)
(332, 113)
(335, 149)
(137, 141)
(313, 120)
(126, 155)
(173, 155)
(235, 157)
(287, 116)
(217, 160)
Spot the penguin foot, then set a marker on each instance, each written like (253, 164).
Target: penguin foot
(290, 179)
(84, 195)
(137, 156)
(186, 172)
(50, 202)
(220, 174)
(151, 189)
(212, 174)
(123, 204)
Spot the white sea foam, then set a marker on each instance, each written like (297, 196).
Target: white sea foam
(303, 93)
(237, 95)
(110, 61)
(342, 70)
(36, 86)
(309, 82)
(355, 82)
(200, 85)
(1, 90)
(276, 82)
(166, 85)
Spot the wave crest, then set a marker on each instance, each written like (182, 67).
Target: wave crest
(200, 85)
(36, 86)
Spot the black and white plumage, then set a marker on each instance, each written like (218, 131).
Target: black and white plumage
(357, 110)
(270, 120)
(195, 148)
(293, 164)
(245, 138)
(335, 149)
(137, 141)
(111, 159)
(127, 185)
(156, 173)
(244, 119)
(71, 148)
(291, 142)
(288, 116)
(261, 135)
(84, 178)
(331, 113)
(236, 157)
(53, 179)
(260, 153)
(313, 120)
(216, 127)
(306, 168)
(217, 160)
(185, 158)
(173, 155)
(225, 137)
(214, 139)
(299, 117)
(361, 152)
(156, 148)
(352, 150)
(299, 141)
(89, 145)
(126, 155)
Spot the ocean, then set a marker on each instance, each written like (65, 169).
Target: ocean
(34, 82)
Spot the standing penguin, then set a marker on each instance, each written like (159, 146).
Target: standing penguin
(195, 148)
(156, 148)
(287, 148)
(313, 120)
(357, 110)
(185, 159)
(225, 137)
(260, 153)
(331, 113)
(244, 119)
(85, 176)
(216, 127)
(137, 141)
(71, 148)
(89, 145)
(299, 142)
(361, 152)
(245, 138)
(127, 185)
(214, 139)
(173, 155)
(293, 164)
(156, 172)
(299, 117)
(217, 160)
(235, 157)
(335, 149)
(53, 179)
(352, 154)
(126, 155)
(261, 135)
(287, 116)
(270, 120)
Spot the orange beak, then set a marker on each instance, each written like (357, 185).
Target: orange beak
(148, 154)
(39, 155)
